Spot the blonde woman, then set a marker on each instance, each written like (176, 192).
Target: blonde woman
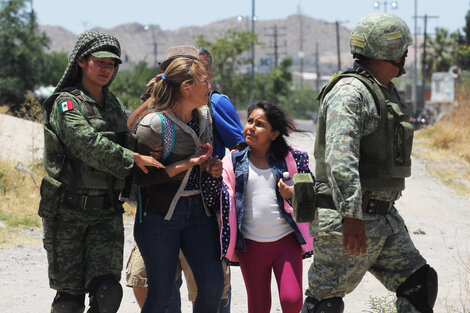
(172, 215)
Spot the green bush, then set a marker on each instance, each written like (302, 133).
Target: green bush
(384, 304)
(129, 85)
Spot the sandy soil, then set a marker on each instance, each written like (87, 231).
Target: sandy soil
(436, 218)
(21, 140)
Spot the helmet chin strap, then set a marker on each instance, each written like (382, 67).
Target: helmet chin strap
(400, 65)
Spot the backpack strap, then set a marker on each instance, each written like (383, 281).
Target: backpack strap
(291, 165)
(168, 135)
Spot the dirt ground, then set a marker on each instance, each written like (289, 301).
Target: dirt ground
(436, 217)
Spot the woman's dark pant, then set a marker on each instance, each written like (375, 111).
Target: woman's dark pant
(159, 242)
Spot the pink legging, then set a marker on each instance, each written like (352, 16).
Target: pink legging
(284, 257)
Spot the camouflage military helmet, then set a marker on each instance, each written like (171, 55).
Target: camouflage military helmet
(381, 36)
(87, 44)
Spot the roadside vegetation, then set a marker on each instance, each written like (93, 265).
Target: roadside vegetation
(19, 201)
(446, 144)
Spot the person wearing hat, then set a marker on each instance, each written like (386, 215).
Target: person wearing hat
(362, 152)
(227, 133)
(88, 154)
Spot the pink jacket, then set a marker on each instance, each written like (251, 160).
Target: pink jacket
(230, 226)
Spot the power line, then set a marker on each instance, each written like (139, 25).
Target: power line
(301, 45)
(338, 49)
(275, 35)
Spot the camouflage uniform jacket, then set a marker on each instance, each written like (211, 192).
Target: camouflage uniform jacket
(351, 113)
(91, 141)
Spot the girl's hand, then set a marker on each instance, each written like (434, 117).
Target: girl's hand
(205, 152)
(213, 166)
(286, 191)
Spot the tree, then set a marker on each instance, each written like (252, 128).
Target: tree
(441, 52)
(466, 29)
(463, 57)
(275, 85)
(130, 85)
(462, 52)
(231, 63)
(301, 103)
(21, 51)
(53, 67)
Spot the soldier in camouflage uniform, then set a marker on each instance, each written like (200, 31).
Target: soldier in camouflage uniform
(362, 150)
(88, 153)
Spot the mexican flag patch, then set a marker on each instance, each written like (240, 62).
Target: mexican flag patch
(66, 106)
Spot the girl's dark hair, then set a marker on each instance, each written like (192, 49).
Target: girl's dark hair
(280, 121)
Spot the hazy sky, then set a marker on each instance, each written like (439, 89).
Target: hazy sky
(172, 14)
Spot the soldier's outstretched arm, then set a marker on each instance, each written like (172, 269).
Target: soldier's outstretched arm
(144, 160)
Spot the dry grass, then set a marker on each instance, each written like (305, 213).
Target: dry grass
(447, 144)
(19, 202)
(4, 109)
(462, 261)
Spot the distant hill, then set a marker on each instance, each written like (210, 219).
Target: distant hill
(137, 42)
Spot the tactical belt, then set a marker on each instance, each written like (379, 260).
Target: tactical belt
(89, 202)
(374, 206)
(369, 206)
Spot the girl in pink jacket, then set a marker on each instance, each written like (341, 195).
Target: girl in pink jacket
(257, 228)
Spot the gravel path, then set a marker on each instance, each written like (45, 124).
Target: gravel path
(436, 217)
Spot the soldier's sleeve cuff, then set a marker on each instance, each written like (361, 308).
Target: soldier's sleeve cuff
(356, 213)
(128, 159)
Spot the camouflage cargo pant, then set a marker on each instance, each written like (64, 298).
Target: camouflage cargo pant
(82, 244)
(334, 273)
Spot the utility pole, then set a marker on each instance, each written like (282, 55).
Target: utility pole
(32, 18)
(317, 68)
(252, 52)
(276, 45)
(301, 46)
(415, 61)
(338, 50)
(425, 17)
(154, 44)
(337, 46)
(155, 54)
